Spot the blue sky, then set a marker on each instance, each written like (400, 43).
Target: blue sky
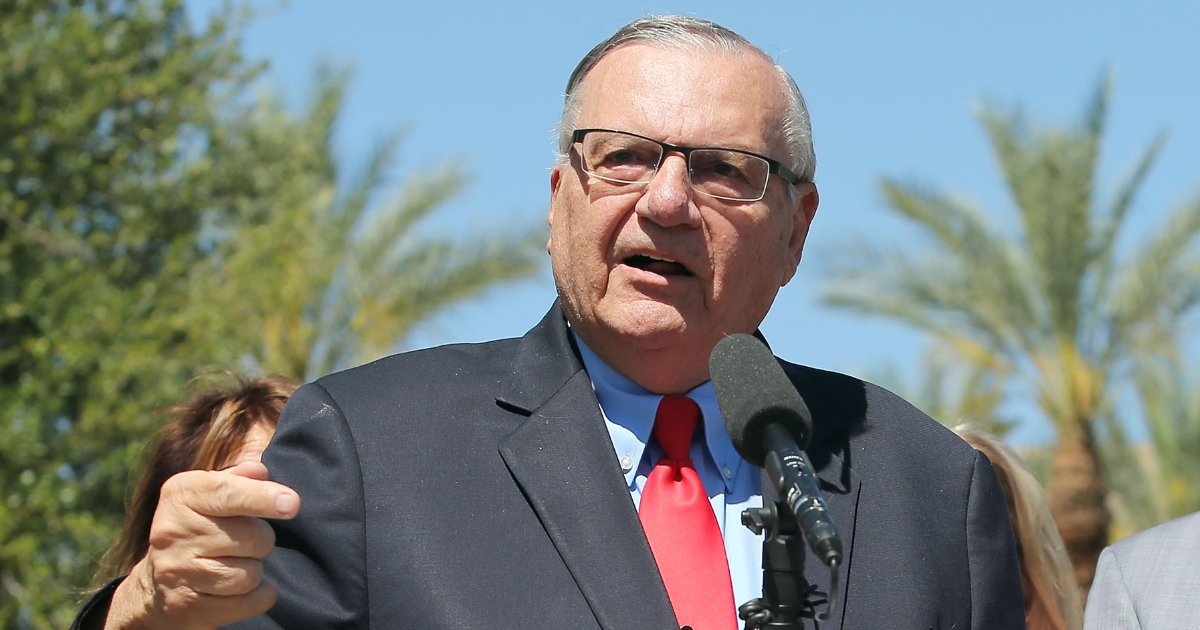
(892, 88)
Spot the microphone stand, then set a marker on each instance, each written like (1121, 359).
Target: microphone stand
(787, 595)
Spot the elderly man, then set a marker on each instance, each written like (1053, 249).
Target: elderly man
(527, 483)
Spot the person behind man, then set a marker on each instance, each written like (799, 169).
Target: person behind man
(218, 427)
(1047, 578)
(538, 482)
(1149, 581)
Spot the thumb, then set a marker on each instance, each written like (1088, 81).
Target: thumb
(242, 490)
(249, 469)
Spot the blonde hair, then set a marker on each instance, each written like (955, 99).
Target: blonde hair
(1051, 593)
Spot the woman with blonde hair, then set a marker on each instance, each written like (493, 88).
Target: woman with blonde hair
(1051, 593)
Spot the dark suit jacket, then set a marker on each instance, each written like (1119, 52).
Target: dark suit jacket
(475, 486)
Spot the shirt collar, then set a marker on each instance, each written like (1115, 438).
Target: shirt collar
(629, 410)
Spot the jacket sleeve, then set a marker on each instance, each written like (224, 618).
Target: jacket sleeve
(94, 610)
(1109, 606)
(319, 561)
(996, 599)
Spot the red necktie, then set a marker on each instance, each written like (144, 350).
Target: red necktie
(681, 527)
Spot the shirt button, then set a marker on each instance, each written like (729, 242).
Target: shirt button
(627, 463)
(728, 473)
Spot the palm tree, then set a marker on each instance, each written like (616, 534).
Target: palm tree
(314, 279)
(1160, 480)
(1051, 306)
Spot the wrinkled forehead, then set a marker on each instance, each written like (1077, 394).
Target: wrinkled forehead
(709, 96)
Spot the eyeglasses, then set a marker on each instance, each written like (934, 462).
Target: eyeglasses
(621, 157)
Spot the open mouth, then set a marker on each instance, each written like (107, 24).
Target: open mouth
(657, 265)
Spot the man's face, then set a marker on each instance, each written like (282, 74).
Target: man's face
(652, 276)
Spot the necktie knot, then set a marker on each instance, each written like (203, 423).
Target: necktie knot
(674, 425)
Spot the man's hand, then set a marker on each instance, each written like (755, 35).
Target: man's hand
(204, 567)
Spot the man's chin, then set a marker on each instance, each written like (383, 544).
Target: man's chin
(648, 325)
(651, 343)
(637, 322)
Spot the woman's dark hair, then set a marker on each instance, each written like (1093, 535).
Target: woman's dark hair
(202, 434)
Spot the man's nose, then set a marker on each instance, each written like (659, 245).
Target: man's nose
(668, 198)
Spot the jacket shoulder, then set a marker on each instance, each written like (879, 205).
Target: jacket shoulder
(888, 432)
(464, 360)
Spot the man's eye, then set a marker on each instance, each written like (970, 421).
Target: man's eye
(717, 169)
(622, 157)
(725, 169)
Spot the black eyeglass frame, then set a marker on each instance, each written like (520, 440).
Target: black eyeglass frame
(774, 167)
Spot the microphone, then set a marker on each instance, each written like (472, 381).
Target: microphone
(770, 425)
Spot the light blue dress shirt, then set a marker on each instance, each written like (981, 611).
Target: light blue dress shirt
(732, 484)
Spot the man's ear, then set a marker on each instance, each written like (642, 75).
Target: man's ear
(555, 185)
(802, 216)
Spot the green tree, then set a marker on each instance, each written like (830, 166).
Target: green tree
(99, 209)
(309, 278)
(1052, 306)
(155, 225)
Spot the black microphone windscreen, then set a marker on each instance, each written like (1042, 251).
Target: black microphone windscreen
(753, 392)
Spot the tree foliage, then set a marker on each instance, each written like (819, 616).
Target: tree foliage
(1050, 305)
(99, 209)
(156, 224)
(315, 278)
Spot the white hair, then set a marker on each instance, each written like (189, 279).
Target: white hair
(693, 34)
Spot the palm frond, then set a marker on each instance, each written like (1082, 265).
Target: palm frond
(390, 228)
(1050, 175)
(329, 258)
(1109, 226)
(348, 211)
(1097, 110)
(1171, 404)
(433, 275)
(1156, 282)
(1051, 308)
(974, 279)
(329, 92)
(927, 294)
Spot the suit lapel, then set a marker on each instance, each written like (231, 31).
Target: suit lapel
(561, 459)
